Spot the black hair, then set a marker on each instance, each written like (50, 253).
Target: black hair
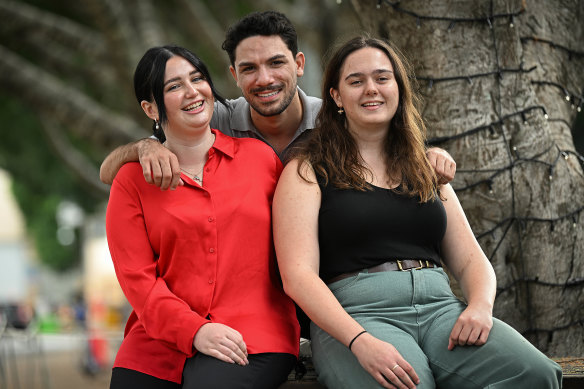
(260, 23)
(149, 78)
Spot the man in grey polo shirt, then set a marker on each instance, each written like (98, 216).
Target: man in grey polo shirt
(266, 64)
(236, 121)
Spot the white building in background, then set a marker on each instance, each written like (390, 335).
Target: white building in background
(23, 280)
(16, 255)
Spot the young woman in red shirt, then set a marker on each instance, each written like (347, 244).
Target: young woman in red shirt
(197, 263)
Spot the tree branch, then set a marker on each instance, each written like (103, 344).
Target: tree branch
(81, 167)
(68, 105)
(148, 25)
(18, 16)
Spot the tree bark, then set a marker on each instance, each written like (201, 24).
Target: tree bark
(501, 82)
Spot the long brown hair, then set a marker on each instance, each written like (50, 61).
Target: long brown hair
(332, 151)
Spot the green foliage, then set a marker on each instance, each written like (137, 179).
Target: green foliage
(42, 182)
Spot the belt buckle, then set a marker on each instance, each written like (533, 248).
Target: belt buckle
(399, 265)
(422, 264)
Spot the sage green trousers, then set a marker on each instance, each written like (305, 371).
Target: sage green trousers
(415, 311)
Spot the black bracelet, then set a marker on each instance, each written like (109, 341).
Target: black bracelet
(356, 336)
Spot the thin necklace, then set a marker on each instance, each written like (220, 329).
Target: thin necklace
(197, 177)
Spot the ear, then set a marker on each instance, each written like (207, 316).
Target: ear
(336, 97)
(150, 109)
(300, 61)
(233, 73)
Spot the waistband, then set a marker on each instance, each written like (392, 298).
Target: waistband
(399, 265)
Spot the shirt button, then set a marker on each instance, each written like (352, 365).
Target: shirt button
(208, 170)
(206, 194)
(210, 219)
(211, 250)
(210, 281)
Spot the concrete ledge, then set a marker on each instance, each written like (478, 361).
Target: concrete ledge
(573, 369)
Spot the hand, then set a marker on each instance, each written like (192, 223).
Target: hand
(159, 164)
(384, 363)
(472, 327)
(443, 164)
(221, 342)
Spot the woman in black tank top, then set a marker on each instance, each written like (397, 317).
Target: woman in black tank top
(361, 228)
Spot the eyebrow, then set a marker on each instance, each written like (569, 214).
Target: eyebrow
(277, 56)
(178, 78)
(377, 71)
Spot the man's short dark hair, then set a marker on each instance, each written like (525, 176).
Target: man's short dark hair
(260, 23)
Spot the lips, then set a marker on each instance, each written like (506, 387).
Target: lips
(268, 92)
(193, 106)
(372, 104)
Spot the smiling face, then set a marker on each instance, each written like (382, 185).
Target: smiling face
(367, 90)
(267, 73)
(188, 98)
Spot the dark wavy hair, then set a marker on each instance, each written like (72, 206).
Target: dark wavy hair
(332, 151)
(149, 79)
(260, 23)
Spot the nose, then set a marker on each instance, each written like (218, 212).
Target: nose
(191, 90)
(371, 87)
(264, 76)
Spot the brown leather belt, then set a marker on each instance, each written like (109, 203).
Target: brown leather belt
(401, 265)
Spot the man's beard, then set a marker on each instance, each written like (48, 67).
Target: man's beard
(273, 111)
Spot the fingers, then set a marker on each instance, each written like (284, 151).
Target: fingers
(443, 164)
(221, 342)
(454, 335)
(398, 377)
(238, 348)
(164, 173)
(174, 172)
(445, 170)
(159, 165)
(147, 172)
(384, 363)
(233, 354)
(469, 331)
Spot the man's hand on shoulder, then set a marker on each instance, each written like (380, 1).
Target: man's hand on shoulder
(443, 164)
(159, 165)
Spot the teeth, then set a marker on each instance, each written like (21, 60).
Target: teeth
(371, 104)
(193, 106)
(268, 94)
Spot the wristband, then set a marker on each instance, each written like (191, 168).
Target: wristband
(356, 336)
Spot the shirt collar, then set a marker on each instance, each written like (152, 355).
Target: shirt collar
(223, 143)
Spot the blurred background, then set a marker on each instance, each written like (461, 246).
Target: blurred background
(66, 100)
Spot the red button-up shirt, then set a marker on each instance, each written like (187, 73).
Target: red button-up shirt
(199, 254)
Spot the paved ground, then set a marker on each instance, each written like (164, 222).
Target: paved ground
(62, 371)
(61, 365)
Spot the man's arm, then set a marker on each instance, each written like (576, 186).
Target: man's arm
(159, 165)
(443, 164)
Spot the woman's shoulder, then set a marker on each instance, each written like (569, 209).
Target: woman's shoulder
(129, 172)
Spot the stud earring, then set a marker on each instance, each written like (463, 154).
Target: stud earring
(157, 125)
(341, 110)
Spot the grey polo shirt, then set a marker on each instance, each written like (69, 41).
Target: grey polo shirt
(235, 120)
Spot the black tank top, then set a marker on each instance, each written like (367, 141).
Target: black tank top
(360, 229)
